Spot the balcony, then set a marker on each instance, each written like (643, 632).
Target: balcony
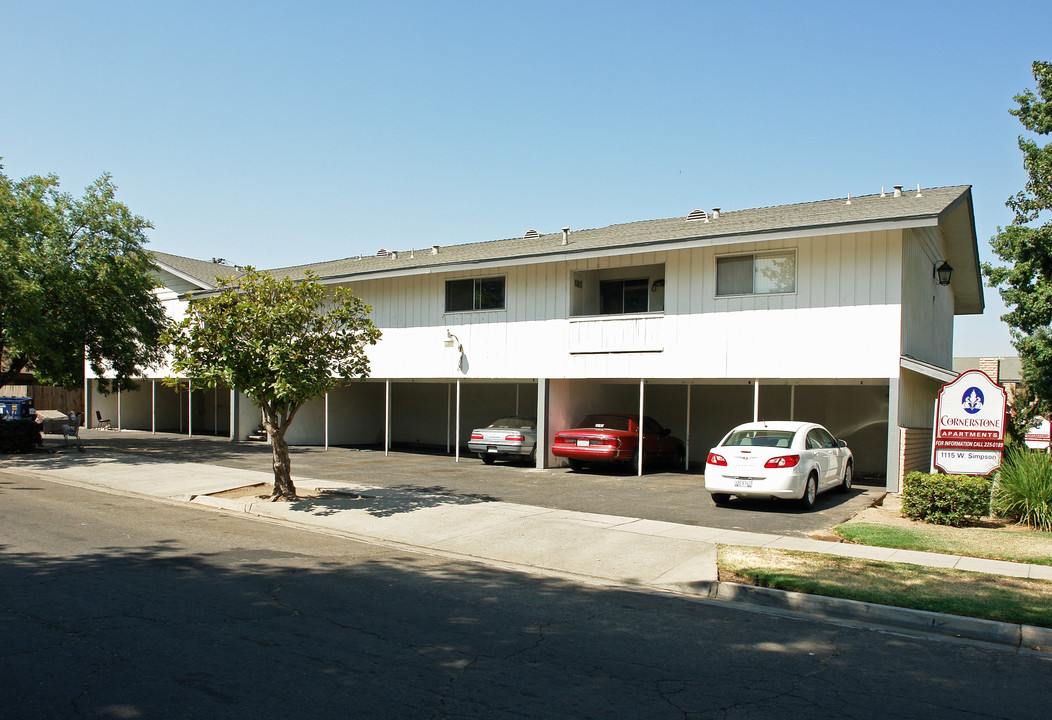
(635, 333)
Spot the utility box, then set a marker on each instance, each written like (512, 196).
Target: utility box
(17, 408)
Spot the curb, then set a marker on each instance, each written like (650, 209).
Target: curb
(1028, 637)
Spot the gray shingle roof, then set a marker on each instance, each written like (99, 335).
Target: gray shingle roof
(1010, 367)
(863, 210)
(203, 271)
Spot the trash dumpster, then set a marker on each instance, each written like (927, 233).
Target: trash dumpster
(17, 408)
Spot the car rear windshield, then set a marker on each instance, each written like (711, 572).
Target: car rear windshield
(515, 422)
(760, 438)
(605, 422)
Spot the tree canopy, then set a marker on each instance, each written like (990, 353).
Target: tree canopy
(1025, 281)
(75, 283)
(278, 341)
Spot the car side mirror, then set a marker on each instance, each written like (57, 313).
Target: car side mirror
(841, 443)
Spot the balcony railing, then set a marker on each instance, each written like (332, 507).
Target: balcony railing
(617, 333)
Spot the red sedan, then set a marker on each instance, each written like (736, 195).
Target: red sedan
(614, 437)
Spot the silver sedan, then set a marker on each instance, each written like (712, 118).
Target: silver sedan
(508, 438)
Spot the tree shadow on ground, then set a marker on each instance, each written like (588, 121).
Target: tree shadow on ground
(311, 627)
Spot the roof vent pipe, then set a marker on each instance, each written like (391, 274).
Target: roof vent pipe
(715, 213)
(566, 236)
(898, 190)
(882, 193)
(918, 191)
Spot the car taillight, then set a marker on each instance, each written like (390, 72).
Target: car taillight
(715, 459)
(476, 436)
(782, 461)
(514, 438)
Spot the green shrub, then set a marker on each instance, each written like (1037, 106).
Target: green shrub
(945, 499)
(19, 436)
(1023, 490)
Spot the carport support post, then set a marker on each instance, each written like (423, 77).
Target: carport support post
(639, 445)
(894, 435)
(118, 408)
(189, 408)
(326, 421)
(449, 409)
(686, 454)
(153, 407)
(542, 423)
(456, 435)
(387, 419)
(755, 400)
(235, 415)
(792, 401)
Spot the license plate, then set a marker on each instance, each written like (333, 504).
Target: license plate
(743, 483)
(582, 443)
(492, 450)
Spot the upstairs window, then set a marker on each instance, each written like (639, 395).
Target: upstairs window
(475, 294)
(756, 274)
(624, 296)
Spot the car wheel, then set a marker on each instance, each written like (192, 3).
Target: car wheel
(633, 464)
(487, 458)
(532, 458)
(576, 465)
(721, 498)
(810, 492)
(845, 486)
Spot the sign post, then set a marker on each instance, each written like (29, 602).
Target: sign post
(969, 433)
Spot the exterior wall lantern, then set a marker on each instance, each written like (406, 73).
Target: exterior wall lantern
(943, 271)
(453, 341)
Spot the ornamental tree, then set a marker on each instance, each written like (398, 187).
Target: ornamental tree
(1025, 282)
(279, 342)
(75, 284)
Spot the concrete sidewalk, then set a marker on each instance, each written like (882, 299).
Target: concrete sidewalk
(602, 549)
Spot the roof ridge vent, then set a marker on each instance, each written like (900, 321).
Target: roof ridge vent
(434, 249)
(697, 215)
(898, 190)
(382, 253)
(531, 235)
(715, 213)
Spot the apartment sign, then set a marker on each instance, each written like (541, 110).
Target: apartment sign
(1037, 437)
(969, 425)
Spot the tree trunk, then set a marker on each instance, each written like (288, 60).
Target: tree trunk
(283, 487)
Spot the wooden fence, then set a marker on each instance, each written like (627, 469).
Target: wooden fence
(46, 397)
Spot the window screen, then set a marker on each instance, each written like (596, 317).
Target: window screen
(756, 274)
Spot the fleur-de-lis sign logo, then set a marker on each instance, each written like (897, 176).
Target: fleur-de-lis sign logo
(972, 400)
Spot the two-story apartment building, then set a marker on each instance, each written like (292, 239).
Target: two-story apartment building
(829, 311)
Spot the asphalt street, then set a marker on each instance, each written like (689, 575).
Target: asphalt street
(118, 607)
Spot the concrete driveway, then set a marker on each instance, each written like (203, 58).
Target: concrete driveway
(665, 496)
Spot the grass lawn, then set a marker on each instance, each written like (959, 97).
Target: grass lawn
(997, 544)
(956, 592)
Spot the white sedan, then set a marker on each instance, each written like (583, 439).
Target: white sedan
(794, 460)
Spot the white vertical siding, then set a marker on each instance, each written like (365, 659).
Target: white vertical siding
(843, 320)
(927, 307)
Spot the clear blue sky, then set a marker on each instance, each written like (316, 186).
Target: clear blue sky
(276, 134)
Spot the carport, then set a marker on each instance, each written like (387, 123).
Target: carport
(429, 415)
(157, 407)
(701, 411)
